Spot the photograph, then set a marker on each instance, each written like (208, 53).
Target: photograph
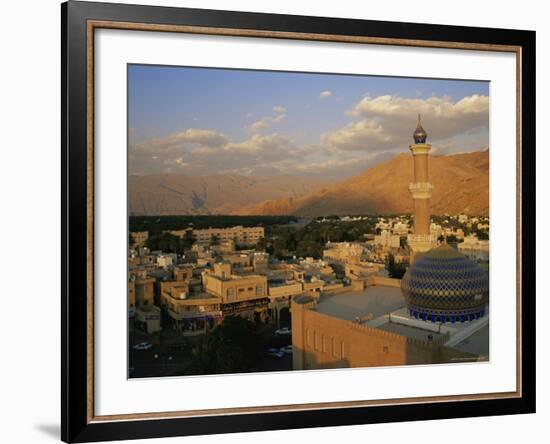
(282, 221)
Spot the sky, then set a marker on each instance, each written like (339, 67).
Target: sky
(204, 121)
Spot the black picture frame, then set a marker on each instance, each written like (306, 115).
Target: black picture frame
(76, 424)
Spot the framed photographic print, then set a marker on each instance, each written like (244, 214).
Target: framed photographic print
(275, 221)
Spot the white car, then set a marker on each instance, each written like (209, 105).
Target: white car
(143, 346)
(287, 349)
(285, 331)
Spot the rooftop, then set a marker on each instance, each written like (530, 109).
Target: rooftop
(409, 331)
(201, 295)
(380, 301)
(477, 343)
(349, 305)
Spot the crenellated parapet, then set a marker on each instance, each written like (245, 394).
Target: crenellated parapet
(366, 329)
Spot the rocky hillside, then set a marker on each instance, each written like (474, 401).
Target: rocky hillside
(461, 186)
(172, 194)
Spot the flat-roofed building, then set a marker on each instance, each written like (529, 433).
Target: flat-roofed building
(238, 234)
(386, 239)
(373, 328)
(358, 273)
(343, 252)
(166, 260)
(260, 262)
(243, 295)
(237, 260)
(319, 269)
(475, 248)
(148, 319)
(191, 313)
(182, 272)
(400, 228)
(139, 238)
(144, 291)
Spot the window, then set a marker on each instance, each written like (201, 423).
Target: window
(324, 344)
(334, 347)
(308, 337)
(343, 350)
(315, 341)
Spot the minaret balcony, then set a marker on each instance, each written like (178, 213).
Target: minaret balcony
(420, 148)
(421, 243)
(421, 190)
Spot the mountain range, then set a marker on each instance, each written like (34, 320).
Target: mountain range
(461, 185)
(173, 194)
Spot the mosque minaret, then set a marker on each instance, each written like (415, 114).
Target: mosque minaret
(421, 191)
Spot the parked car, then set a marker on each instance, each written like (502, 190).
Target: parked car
(287, 349)
(285, 331)
(274, 353)
(143, 346)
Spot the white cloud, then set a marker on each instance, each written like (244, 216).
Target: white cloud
(387, 122)
(278, 118)
(325, 94)
(265, 122)
(366, 135)
(190, 136)
(439, 107)
(380, 128)
(259, 125)
(261, 153)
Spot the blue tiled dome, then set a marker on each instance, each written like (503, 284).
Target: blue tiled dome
(445, 286)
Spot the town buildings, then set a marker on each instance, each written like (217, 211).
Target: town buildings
(474, 248)
(139, 237)
(387, 239)
(344, 309)
(343, 252)
(237, 234)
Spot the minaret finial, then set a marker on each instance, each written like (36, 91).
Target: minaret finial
(419, 135)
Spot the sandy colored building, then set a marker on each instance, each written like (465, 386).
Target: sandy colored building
(240, 295)
(474, 248)
(139, 237)
(238, 261)
(144, 291)
(359, 273)
(343, 252)
(260, 262)
(387, 239)
(372, 328)
(237, 234)
(148, 319)
(191, 313)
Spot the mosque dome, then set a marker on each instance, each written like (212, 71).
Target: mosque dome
(443, 285)
(420, 134)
